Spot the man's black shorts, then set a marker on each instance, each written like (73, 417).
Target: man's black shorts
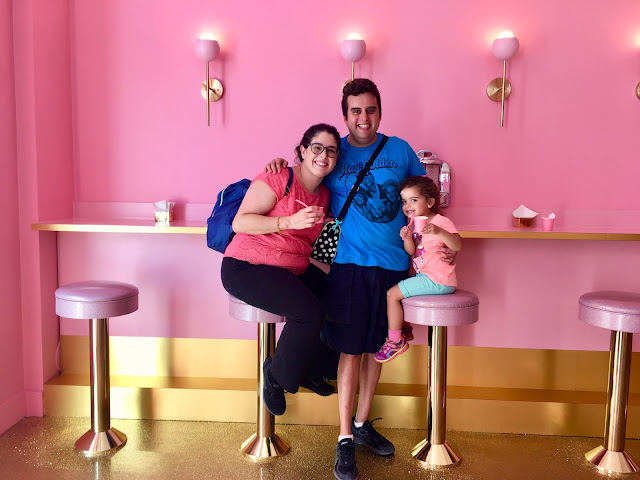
(356, 303)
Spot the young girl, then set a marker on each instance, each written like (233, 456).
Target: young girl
(433, 276)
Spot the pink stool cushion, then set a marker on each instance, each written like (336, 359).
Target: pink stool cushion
(459, 308)
(248, 313)
(619, 311)
(96, 299)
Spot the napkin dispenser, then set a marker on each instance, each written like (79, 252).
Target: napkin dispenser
(524, 217)
(439, 172)
(164, 212)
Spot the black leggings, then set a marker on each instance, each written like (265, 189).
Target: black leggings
(295, 297)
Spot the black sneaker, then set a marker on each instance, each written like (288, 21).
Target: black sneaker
(318, 385)
(272, 393)
(345, 467)
(367, 436)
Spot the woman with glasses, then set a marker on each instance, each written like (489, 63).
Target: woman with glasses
(267, 263)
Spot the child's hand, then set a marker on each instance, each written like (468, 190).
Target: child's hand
(430, 228)
(404, 231)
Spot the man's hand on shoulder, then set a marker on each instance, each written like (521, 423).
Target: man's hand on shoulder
(274, 166)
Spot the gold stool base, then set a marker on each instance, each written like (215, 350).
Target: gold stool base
(435, 456)
(612, 462)
(265, 447)
(98, 443)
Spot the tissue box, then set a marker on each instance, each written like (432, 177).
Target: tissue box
(164, 216)
(524, 222)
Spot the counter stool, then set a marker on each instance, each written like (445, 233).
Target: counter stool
(265, 443)
(440, 312)
(98, 301)
(620, 313)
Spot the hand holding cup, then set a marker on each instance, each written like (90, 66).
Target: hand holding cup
(313, 212)
(419, 223)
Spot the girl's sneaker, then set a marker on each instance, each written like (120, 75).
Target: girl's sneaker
(390, 350)
(407, 331)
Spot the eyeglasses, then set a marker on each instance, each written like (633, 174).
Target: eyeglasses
(318, 148)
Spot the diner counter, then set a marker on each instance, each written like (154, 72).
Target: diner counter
(529, 362)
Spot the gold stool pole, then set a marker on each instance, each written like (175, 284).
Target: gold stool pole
(101, 438)
(265, 443)
(433, 451)
(611, 457)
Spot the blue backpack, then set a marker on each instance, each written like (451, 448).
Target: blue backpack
(219, 231)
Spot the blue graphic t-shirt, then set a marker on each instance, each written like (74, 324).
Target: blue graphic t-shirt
(370, 230)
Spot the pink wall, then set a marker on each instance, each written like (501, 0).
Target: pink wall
(573, 115)
(140, 135)
(41, 33)
(12, 398)
(109, 109)
(54, 155)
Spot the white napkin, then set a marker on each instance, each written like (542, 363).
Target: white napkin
(164, 206)
(524, 212)
(551, 216)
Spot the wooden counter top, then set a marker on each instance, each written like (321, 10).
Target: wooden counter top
(120, 226)
(471, 223)
(141, 226)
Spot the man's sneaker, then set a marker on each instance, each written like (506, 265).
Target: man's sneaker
(345, 466)
(390, 350)
(366, 435)
(318, 385)
(272, 393)
(407, 331)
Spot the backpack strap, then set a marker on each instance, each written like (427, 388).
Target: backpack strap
(288, 189)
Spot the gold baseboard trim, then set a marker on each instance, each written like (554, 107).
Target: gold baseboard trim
(500, 390)
(495, 410)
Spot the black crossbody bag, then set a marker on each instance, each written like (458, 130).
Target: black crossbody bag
(326, 245)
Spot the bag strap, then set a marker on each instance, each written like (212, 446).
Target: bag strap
(288, 189)
(361, 176)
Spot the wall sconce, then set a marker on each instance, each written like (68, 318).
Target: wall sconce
(638, 90)
(353, 49)
(504, 47)
(208, 49)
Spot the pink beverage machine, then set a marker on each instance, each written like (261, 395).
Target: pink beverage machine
(439, 172)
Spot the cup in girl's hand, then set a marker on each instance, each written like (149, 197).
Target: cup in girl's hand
(419, 223)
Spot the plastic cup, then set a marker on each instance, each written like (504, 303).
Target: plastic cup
(419, 223)
(547, 224)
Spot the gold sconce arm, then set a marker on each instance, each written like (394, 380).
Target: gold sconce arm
(499, 89)
(211, 90)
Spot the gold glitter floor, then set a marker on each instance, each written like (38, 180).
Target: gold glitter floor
(42, 448)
